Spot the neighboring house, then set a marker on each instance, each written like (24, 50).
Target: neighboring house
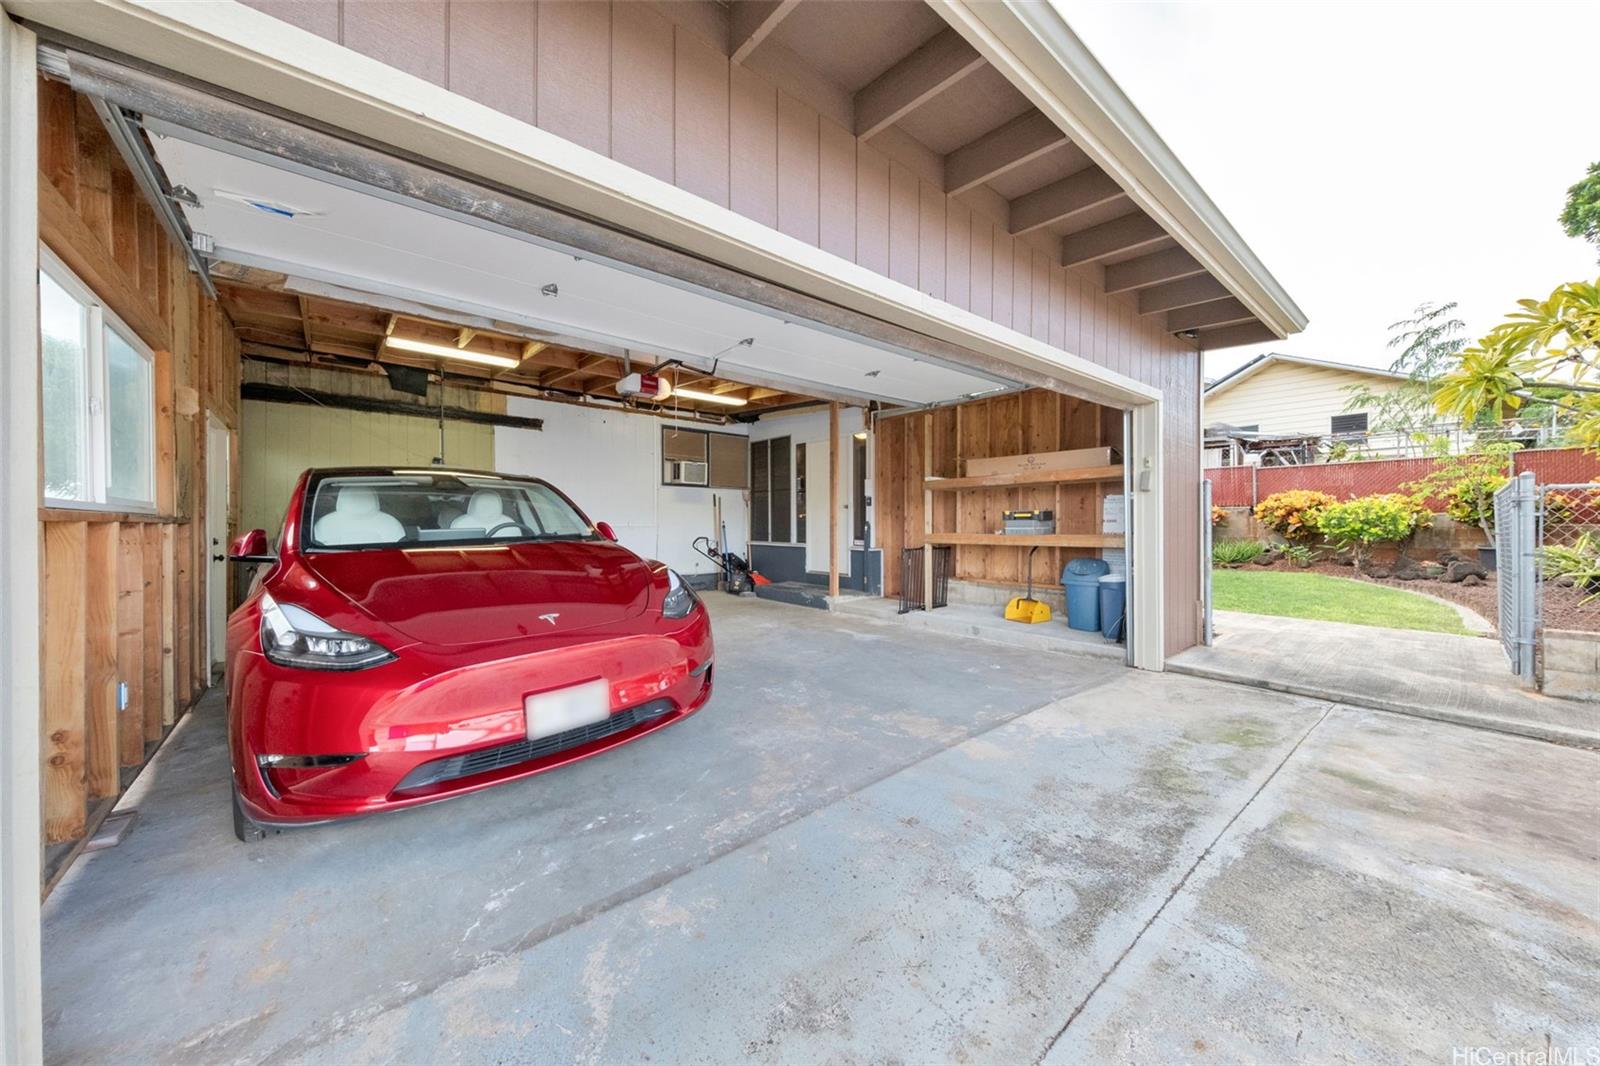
(1280, 409)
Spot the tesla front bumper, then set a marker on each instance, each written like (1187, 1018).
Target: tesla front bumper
(423, 733)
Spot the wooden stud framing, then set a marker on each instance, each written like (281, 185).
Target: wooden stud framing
(100, 659)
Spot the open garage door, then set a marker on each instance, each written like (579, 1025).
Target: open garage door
(287, 216)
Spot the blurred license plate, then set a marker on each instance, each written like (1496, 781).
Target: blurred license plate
(549, 713)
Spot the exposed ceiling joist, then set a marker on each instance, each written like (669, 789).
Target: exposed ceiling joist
(751, 21)
(1225, 312)
(1019, 141)
(1173, 264)
(1062, 199)
(913, 81)
(586, 366)
(1117, 237)
(1233, 336)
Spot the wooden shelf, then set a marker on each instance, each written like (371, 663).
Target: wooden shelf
(1023, 478)
(1029, 540)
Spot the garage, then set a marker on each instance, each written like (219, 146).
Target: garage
(237, 281)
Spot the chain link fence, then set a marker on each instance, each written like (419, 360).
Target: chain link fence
(1567, 566)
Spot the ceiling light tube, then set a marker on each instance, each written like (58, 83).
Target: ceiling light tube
(450, 351)
(709, 397)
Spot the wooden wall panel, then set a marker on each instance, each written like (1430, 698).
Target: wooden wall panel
(493, 49)
(753, 138)
(799, 170)
(872, 209)
(410, 35)
(931, 239)
(100, 660)
(837, 189)
(63, 656)
(642, 80)
(116, 612)
(905, 224)
(574, 69)
(700, 118)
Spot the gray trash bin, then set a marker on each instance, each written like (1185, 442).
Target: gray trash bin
(1080, 578)
(1113, 601)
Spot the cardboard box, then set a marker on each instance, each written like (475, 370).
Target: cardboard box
(1073, 459)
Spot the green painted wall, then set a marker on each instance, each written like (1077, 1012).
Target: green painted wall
(279, 442)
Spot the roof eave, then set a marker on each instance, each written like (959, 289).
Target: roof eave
(1036, 49)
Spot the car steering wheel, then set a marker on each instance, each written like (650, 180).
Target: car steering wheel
(509, 522)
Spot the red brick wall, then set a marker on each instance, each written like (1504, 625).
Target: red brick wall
(1243, 486)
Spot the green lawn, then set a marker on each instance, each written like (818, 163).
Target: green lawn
(1329, 599)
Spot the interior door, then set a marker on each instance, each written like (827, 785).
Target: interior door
(218, 465)
(818, 493)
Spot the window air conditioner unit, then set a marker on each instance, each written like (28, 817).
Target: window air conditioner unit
(686, 472)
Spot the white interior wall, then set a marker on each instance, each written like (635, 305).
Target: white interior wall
(609, 462)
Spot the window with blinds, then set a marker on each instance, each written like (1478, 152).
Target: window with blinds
(771, 491)
(702, 458)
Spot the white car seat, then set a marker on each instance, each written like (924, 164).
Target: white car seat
(357, 519)
(486, 511)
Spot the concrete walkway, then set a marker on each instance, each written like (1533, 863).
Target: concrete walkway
(1431, 675)
(876, 843)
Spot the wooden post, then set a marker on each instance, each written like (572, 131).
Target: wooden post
(927, 511)
(833, 498)
(152, 640)
(130, 642)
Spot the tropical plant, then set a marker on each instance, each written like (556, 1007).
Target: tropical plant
(1548, 352)
(1236, 552)
(1292, 515)
(1579, 561)
(1219, 515)
(1357, 525)
(1581, 215)
(1301, 555)
(1466, 484)
(1428, 346)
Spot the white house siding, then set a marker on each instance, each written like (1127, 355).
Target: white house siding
(1290, 398)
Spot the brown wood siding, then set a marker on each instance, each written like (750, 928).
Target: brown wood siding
(735, 139)
(125, 594)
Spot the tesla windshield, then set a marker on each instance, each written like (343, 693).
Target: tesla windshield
(409, 508)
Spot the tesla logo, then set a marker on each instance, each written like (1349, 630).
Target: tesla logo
(551, 617)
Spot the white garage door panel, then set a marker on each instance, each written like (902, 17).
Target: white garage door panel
(350, 237)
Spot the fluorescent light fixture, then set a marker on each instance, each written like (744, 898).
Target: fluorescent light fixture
(861, 435)
(450, 351)
(710, 397)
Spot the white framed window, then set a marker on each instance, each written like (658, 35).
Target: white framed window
(98, 385)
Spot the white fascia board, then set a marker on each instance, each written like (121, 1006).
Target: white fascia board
(227, 44)
(1031, 44)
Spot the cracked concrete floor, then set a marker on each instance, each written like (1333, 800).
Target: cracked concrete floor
(875, 843)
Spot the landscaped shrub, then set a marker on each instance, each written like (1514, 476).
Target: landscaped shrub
(1578, 561)
(1219, 515)
(1301, 555)
(1293, 515)
(1356, 525)
(1467, 484)
(1236, 552)
(1471, 499)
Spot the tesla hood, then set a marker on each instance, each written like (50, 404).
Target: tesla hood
(468, 595)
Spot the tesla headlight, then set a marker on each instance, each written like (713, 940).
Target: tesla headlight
(680, 597)
(293, 636)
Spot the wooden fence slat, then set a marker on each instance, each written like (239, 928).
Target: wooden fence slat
(130, 643)
(100, 658)
(65, 804)
(151, 644)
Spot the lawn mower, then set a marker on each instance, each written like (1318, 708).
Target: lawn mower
(737, 575)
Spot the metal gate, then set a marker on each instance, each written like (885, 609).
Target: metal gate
(1516, 542)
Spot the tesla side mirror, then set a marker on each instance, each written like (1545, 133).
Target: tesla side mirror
(251, 548)
(605, 530)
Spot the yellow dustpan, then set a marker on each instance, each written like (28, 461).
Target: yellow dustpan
(1026, 609)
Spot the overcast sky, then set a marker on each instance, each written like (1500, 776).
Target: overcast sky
(1375, 156)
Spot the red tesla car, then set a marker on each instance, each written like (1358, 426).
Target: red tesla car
(424, 633)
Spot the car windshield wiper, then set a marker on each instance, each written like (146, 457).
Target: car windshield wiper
(562, 536)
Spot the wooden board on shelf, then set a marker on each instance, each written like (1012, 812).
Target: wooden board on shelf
(1024, 478)
(1030, 540)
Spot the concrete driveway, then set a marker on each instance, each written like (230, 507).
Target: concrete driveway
(875, 843)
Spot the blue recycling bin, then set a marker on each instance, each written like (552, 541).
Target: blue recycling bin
(1113, 602)
(1080, 579)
